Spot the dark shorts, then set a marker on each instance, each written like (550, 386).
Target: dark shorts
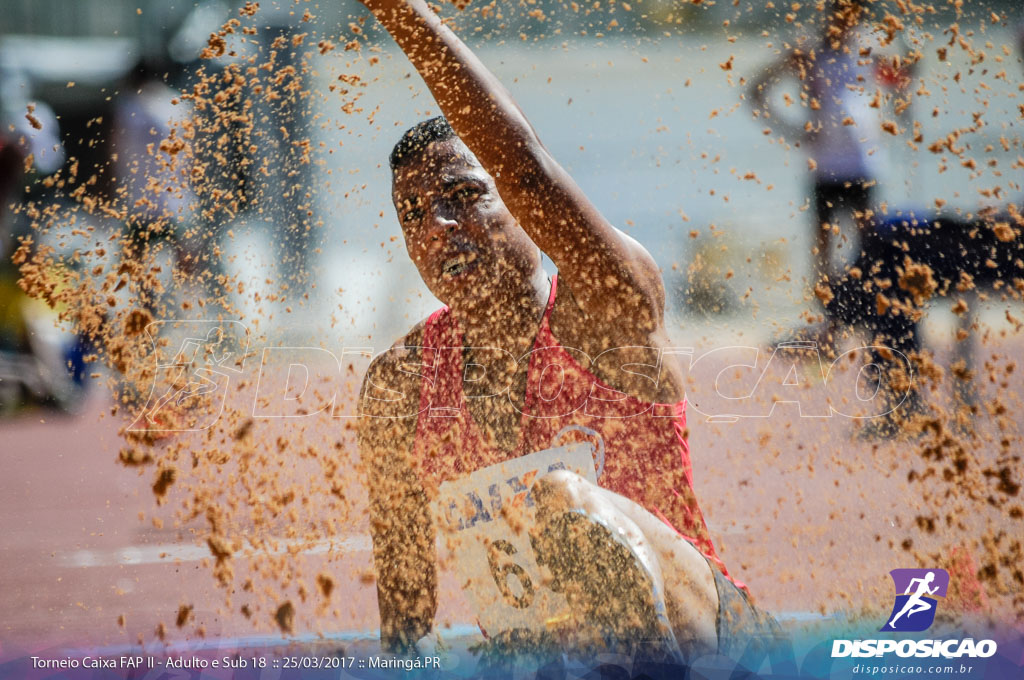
(833, 198)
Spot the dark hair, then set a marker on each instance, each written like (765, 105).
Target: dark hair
(416, 139)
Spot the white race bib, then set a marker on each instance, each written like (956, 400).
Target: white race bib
(495, 562)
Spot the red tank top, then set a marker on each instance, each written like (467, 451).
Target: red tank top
(641, 447)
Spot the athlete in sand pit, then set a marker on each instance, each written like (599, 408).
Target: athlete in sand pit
(537, 361)
(915, 604)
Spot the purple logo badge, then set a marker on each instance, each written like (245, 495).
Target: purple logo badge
(916, 603)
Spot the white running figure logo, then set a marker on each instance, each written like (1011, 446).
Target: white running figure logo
(915, 604)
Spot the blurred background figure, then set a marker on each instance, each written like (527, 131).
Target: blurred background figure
(151, 175)
(907, 259)
(908, 256)
(840, 131)
(29, 142)
(281, 128)
(267, 167)
(37, 365)
(1020, 39)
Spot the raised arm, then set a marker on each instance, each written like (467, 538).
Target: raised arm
(759, 89)
(609, 274)
(401, 525)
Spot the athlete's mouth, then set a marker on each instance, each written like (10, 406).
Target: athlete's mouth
(459, 264)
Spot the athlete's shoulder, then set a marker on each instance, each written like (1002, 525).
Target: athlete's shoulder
(389, 410)
(391, 374)
(601, 323)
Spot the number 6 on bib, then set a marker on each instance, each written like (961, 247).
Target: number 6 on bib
(487, 515)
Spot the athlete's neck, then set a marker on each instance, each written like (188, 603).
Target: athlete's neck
(508, 318)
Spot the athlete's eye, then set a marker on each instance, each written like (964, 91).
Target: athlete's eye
(411, 212)
(465, 193)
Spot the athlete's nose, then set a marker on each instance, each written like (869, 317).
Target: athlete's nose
(441, 224)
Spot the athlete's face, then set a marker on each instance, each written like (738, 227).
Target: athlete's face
(458, 232)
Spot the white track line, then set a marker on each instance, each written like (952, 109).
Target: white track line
(169, 553)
